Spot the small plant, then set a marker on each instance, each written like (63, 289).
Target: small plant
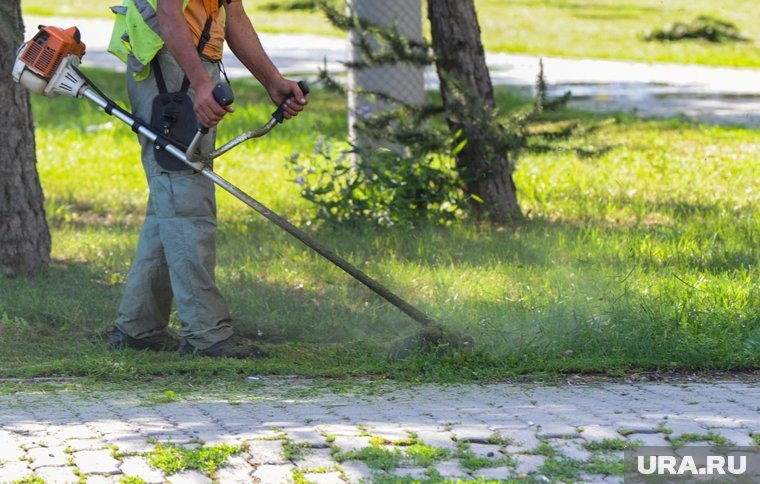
(167, 397)
(373, 457)
(712, 437)
(131, 480)
(611, 445)
(293, 451)
(562, 469)
(704, 27)
(173, 458)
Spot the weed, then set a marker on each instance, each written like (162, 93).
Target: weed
(663, 429)
(166, 397)
(173, 458)
(611, 445)
(294, 451)
(562, 469)
(604, 465)
(131, 480)
(31, 479)
(712, 437)
(373, 457)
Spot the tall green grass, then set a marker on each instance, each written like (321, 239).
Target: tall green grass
(640, 252)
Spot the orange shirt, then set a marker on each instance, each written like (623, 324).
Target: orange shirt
(196, 16)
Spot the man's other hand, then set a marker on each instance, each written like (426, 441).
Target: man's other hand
(281, 91)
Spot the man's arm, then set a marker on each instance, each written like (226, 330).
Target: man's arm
(245, 43)
(179, 40)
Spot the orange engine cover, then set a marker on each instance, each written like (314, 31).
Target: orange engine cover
(51, 44)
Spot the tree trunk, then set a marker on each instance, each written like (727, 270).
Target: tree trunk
(24, 233)
(461, 60)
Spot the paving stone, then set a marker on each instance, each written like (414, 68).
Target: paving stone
(572, 450)
(356, 472)
(654, 440)
(522, 439)
(528, 464)
(324, 478)
(486, 450)
(595, 433)
(48, 457)
(189, 477)
(470, 432)
(493, 473)
(14, 471)
(274, 474)
(235, 470)
(389, 433)
(76, 431)
(130, 443)
(315, 459)
(96, 462)
(340, 430)
(411, 472)
(56, 475)
(438, 439)
(85, 444)
(266, 452)
(139, 467)
(307, 435)
(348, 444)
(451, 470)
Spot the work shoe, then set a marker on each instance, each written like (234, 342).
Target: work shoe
(231, 347)
(119, 339)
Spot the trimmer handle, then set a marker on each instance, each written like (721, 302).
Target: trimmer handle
(279, 115)
(224, 96)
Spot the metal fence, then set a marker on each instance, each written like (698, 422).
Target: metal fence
(400, 81)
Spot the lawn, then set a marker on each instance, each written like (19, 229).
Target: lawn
(639, 253)
(589, 28)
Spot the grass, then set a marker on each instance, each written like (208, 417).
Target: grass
(173, 458)
(592, 28)
(713, 438)
(641, 255)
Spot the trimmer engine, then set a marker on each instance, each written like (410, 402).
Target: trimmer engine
(46, 64)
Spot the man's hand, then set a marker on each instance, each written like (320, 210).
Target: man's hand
(179, 41)
(208, 111)
(281, 90)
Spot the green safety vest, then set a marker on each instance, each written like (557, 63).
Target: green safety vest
(136, 38)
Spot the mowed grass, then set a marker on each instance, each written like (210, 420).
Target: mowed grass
(639, 253)
(609, 29)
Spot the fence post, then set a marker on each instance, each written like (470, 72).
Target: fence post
(400, 81)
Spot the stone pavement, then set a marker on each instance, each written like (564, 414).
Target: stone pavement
(333, 432)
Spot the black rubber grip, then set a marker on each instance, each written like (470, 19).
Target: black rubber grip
(279, 115)
(223, 94)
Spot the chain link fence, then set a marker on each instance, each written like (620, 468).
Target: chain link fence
(399, 81)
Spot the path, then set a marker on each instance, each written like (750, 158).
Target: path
(104, 436)
(713, 95)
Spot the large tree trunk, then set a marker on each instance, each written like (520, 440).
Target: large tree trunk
(24, 233)
(461, 59)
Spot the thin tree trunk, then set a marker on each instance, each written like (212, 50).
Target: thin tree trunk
(24, 233)
(461, 59)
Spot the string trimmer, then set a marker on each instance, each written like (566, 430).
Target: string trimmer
(48, 64)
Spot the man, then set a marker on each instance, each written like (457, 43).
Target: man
(176, 253)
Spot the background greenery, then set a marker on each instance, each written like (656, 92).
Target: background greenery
(590, 28)
(640, 252)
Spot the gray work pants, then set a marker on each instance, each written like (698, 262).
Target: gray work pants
(176, 253)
